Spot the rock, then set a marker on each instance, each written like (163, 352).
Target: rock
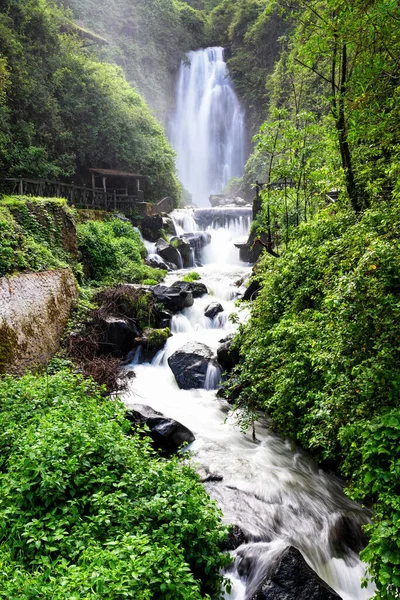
(293, 579)
(184, 250)
(252, 291)
(168, 225)
(118, 335)
(213, 309)
(227, 357)
(189, 365)
(166, 205)
(163, 317)
(157, 262)
(197, 241)
(195, 287)
(346, 534)
(173, 298)
(235, 539)
(151, 227)
(167, 434)
(169, 253)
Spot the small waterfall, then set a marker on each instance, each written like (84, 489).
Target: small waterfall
(207, 131)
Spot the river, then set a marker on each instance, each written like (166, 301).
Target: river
(272, 490)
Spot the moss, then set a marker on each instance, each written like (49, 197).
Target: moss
(156, 338)
(8, 346)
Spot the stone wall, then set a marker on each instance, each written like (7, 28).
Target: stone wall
(34, 310)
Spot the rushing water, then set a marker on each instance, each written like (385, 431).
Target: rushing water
(207, 131)
(270, 489)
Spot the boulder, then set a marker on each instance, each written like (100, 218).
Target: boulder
(235, 538)
(189, 365)
(167, 434)
(213, 309)
(227, 357)
(173, 298)
(169, 253)
(168, 225)
(153, 340)
(118, 335)
(151, 227)
(195, 287)
(293, 579)
(155, 261)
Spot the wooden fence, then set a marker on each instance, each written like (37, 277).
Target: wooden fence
(74, 194)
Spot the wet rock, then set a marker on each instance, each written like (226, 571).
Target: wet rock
(235, 538)
(197, 288)
(213, 309)
(252, 291)
(169, 253)
(167, 434)
(228, 357)
(157, 262)
(118, 335)
(293, 579)
(184, 250)
(173, 298)
(152, 227)
(189, 365)
(197, 241)
(168, 225)
(346, 534)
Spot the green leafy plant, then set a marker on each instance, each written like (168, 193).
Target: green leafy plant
(192, 276)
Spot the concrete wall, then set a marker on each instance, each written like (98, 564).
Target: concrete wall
(34, 310)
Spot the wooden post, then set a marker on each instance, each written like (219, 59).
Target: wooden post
(21, 187)
(115, 200)
(93, 182)
(104, 184)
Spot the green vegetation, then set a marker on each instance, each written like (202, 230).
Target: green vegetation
(320, 356)
(112, 252)
(88, 511)
(192, 276)
(31, 233)
(63, 111)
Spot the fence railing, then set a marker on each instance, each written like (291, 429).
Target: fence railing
(74, 194)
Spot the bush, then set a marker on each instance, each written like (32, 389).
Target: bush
(88, 511)
(113, 252)
(192, 276)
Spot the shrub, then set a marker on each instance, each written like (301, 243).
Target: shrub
(113, 252)
(192, 276)
(88, 511)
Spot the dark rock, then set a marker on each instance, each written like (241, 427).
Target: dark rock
(195, 287)
(213, 309)
(167, 434)
(235, 539)
(168, 225)
(189, 365)
(162, 316)
(346, 534)
(169, 253)
(293, 579)
(184, 250)
(118, 335)
(228, 357)
(153, 339)
(252, 291)
(151, 227)
(173, 298)
(157, 262)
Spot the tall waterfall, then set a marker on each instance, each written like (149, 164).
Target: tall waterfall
(207, 131)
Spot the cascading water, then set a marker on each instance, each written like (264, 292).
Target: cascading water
(207, 131)
(270, 489)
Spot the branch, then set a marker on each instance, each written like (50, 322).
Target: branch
(315, 71)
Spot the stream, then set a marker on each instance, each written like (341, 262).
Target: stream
(270, 489)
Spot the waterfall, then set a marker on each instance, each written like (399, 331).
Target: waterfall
(207, 131)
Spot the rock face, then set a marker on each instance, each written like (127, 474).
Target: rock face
(213, 309)
(189, 365)
(34, 309)
(252, 291)
(227, 357)
(169, 253)
(173, 298)
(293, 579)
(167, 434)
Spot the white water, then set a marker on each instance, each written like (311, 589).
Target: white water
(207, 131)
(270, 489)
